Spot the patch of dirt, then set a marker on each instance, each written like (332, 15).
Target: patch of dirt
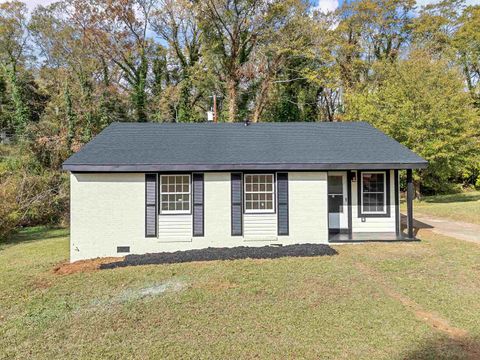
(458, 335)
(67, 268)
(41, 283)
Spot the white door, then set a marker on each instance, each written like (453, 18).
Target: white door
(337, 200)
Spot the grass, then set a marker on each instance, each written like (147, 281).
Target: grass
(325, 307)
(461, 207)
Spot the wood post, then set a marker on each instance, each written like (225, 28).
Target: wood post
(349, 203)
(396, 188)
(410, 194)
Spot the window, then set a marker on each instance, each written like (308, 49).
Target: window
(374, 194)
(259, 191)
(175, 194)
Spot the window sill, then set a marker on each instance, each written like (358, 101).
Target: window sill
(174, 213)
(373, 215)
(259, 212)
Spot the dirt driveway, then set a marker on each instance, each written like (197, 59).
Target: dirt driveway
(457, 229)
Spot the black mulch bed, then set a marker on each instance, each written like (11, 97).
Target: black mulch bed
(210, 254)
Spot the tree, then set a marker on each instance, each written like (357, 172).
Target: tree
(118, 30)
(175, 22)
(230, 32)
(449, 30)
(421, 103)
(13, 51)
(467, 43)
(369, 31)
(287, 40)
(63, 47)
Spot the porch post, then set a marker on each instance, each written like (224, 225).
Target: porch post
(409, 204)
(398, 219)
(349, 203)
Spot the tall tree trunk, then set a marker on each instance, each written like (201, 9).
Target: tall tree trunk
(261, 100)
(416, 186)
(139, 101)
(22, 113)
(185, 111)
(256, 114)
(70, 118)
(86, 87)
(232, 91)
(139, 94)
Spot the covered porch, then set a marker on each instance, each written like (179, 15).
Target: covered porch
(406, 227)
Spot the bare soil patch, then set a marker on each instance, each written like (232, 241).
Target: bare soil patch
(41, 283)
(81, 266)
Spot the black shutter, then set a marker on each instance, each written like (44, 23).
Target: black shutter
(151, 217)
(282, 190)
(198, 207)
(236, 181)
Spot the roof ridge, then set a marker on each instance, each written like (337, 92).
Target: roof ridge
(115, 123)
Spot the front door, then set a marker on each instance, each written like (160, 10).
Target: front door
(337, 201)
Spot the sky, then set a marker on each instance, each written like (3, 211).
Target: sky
(330, 5)
(32, 3)
(322, 5)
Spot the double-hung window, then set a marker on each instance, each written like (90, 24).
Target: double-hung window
(259, 193)
(373, 193)
(175, 194)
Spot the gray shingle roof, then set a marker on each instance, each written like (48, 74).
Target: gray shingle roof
(224, 146)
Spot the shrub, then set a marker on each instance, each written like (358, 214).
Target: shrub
(29, 194)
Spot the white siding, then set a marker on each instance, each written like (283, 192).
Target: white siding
(374, 224)
(108, 210)
(257, 227)
(175, 227)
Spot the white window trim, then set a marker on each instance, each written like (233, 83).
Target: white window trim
(384, 212)
(259, 211)
(176, 212)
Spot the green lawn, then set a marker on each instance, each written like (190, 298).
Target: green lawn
(463, 206)
(324, 307)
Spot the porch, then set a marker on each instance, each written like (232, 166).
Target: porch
(345, 237)
(367, 237)
(406, 228)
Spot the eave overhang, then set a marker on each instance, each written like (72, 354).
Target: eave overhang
(237, 167)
